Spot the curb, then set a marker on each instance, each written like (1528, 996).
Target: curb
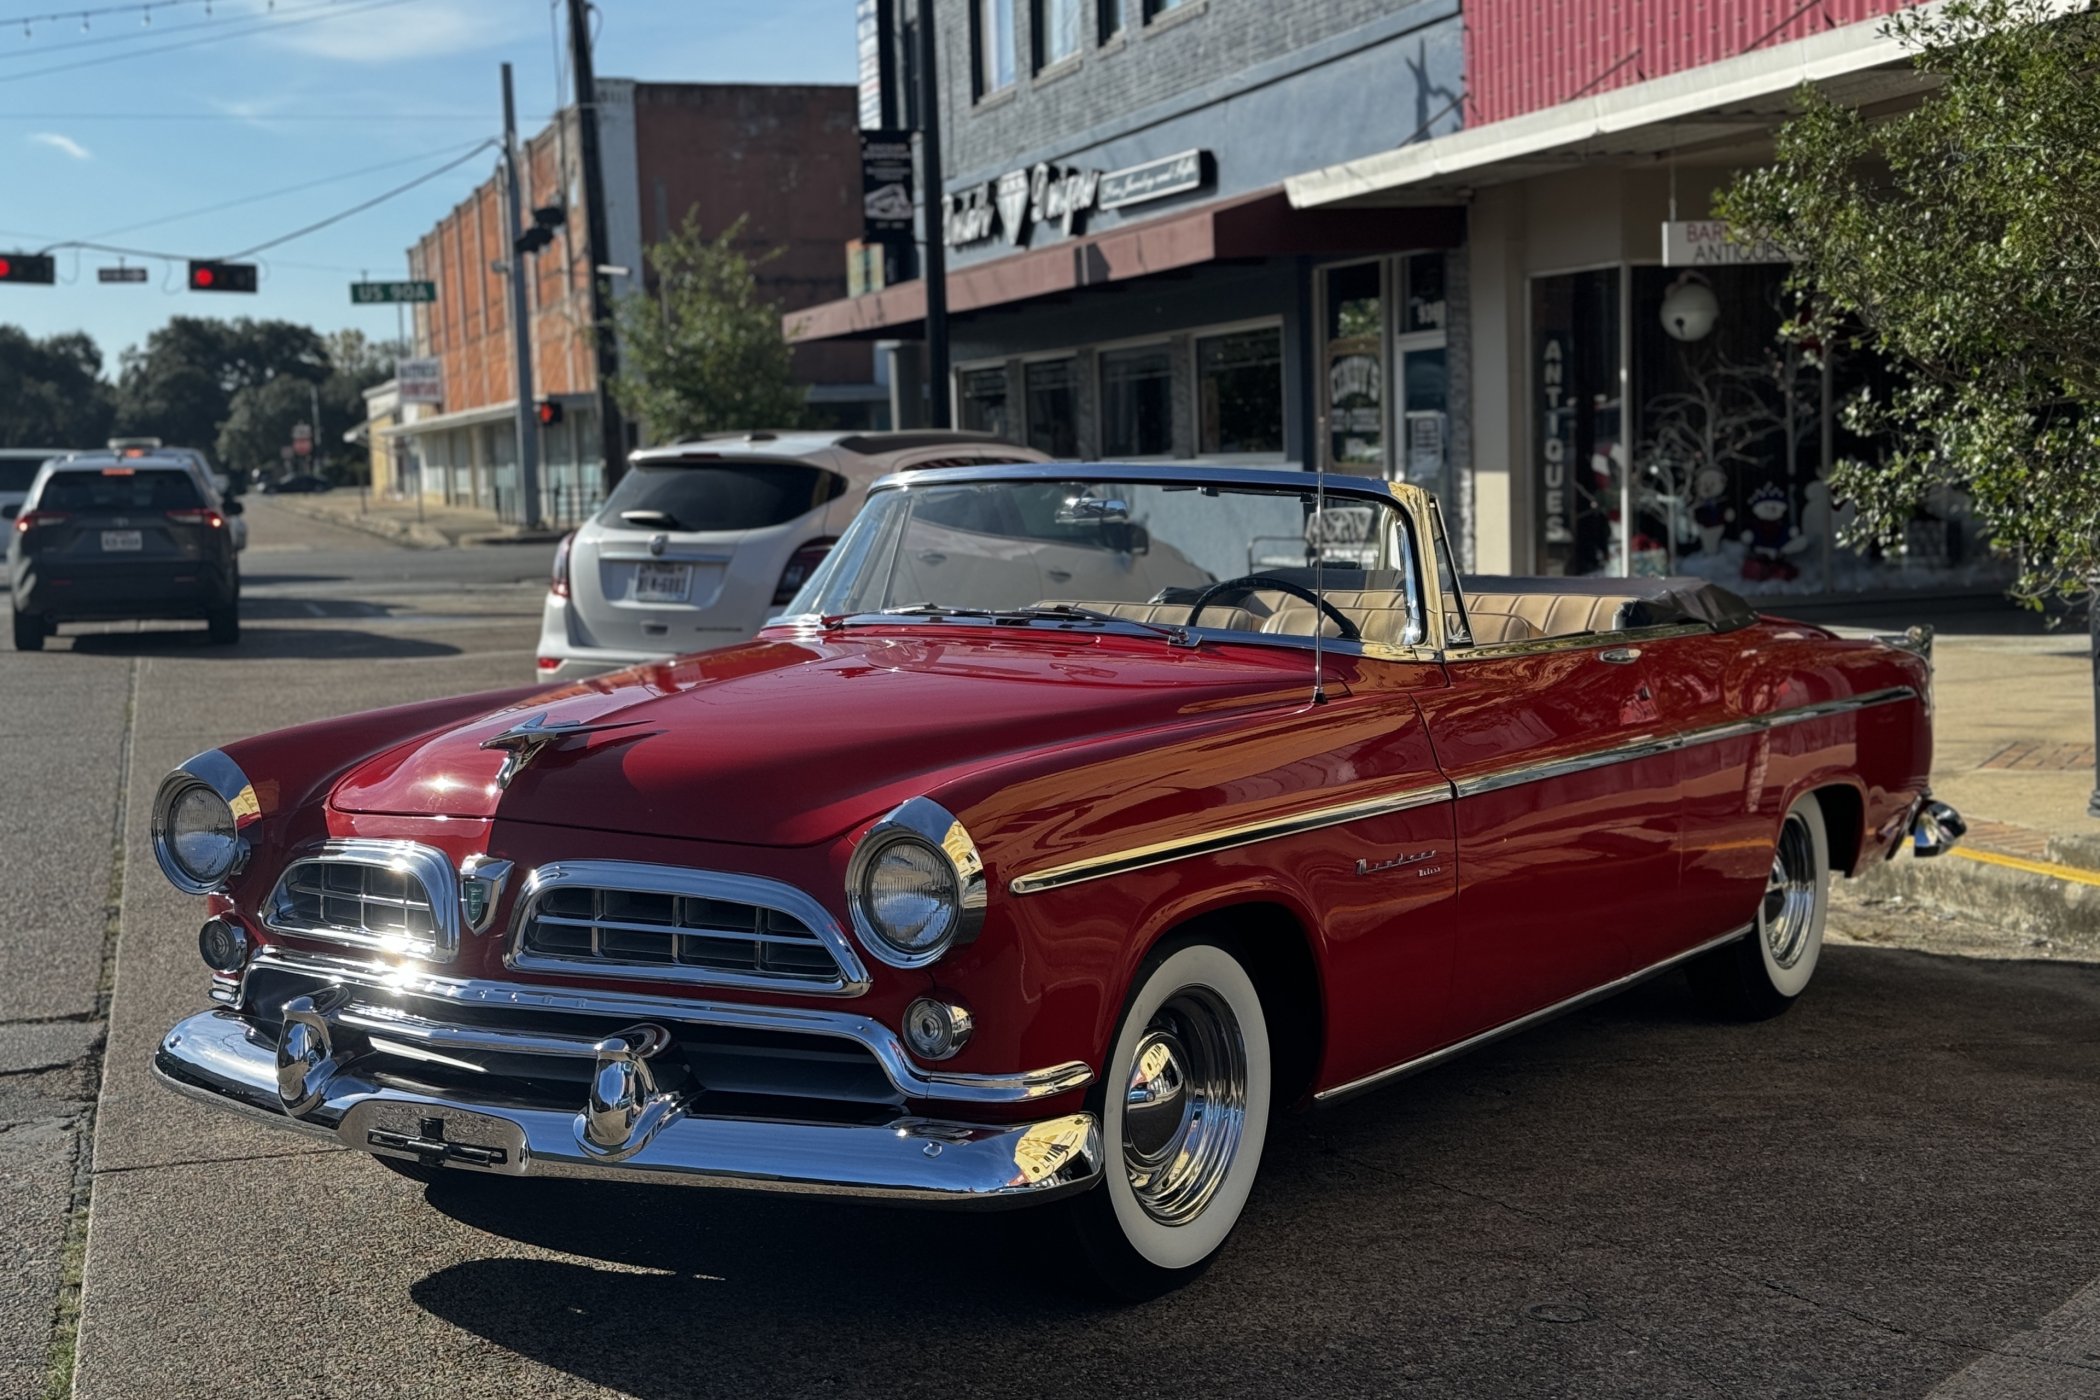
(2043, 898)
(402, 532)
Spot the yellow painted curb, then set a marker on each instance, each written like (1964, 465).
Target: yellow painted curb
(2032, 867)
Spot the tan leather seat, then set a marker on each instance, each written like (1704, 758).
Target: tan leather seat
(1380, 615)
(1546, 614)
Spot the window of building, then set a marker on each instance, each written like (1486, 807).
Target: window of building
(1239, 392)
(1113, 17)
(1137, 417)
(1354, 312)
(984, 409)
(1052, 389)
(1155, 8)
(993, 24)
(1060, 31)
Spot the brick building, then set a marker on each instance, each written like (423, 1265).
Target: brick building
(1422, 239)
(783, 157)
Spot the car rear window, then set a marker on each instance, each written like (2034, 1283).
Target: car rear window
(16, 475)
(721, 495)
(119, 490)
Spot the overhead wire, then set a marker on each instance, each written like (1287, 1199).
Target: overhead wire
(268, 25)
(132, 36)
(360, 208)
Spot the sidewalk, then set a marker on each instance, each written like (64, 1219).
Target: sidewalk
(2013, 752)
(428, 526)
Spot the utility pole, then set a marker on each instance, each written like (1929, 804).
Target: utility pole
(520, 325)
(612, 432)
(933, 268)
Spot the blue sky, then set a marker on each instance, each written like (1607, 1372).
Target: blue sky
(159, 124)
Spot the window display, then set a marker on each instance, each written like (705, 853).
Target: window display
(1239, 393)
(983, 396)
(1577, 444)
(1355, 336)
(1137, 418)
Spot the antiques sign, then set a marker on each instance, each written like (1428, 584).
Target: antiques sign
(1061, 195)
(1711, 243)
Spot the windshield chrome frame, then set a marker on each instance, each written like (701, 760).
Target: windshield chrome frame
(1412, 505)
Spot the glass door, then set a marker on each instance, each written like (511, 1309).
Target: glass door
(1422, 390)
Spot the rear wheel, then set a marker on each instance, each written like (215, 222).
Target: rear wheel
(224, 624)
(1761, 975)
(29, 631)
(1184, 1109)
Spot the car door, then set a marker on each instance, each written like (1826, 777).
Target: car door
(1567, 818)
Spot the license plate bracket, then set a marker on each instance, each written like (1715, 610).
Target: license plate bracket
(436, 1136)
(662, 583)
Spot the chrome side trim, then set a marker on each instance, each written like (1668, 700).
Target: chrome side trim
(852, 979)
(1577, 641)
(1651, 746)
(1559, 1008)
(226, 1060)
(425, 864)
(1225, 838)
(1023, 1086)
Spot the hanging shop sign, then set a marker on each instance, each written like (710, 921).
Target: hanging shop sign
(1711, 243)
(885, 186)
(1155, 179)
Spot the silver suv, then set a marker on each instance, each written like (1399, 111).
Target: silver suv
(702, 541)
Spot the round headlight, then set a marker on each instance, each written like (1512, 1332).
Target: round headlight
(195, 838)
(908, 893)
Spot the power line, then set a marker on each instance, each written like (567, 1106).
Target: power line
(416, 159)
(137, 7)
(246, 117)
(367, 204)
(267, 25)
(134, 35)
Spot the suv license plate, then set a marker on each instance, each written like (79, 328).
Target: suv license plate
(117, 541)
(663, 583)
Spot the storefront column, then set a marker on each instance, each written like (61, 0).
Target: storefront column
(1459, 510)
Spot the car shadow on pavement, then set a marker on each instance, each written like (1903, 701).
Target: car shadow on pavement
(1872, 1191)
(261, 644)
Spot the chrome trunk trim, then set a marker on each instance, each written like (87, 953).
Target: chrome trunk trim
(531, 998)
(1559, 1008)
(220, 1058)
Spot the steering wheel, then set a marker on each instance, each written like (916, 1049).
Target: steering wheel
(1252, 582)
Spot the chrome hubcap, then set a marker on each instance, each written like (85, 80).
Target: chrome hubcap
(1184, 1105)
(1790, 894)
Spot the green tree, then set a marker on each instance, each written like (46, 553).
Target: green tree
(702, 350)
(259, 424)
(179, 386)
(1960, 239)
(51, 391)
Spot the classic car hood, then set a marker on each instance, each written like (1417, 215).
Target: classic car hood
(788, 742)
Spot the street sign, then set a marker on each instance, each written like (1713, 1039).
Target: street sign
(120, 274)
(385, 293)
(420, 381)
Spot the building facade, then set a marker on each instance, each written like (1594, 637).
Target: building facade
(1534, 315)
(782, 158)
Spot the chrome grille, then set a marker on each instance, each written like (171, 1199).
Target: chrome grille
(671, 924)
(393, 895)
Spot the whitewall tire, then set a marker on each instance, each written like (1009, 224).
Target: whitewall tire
(1762, 974)
(1184, 1104)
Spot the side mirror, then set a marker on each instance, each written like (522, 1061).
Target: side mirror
(233, 507)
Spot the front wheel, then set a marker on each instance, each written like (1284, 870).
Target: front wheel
(1760, 976)
(1184, 1109)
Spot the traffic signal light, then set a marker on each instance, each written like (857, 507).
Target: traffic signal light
(545, 220)
(33, 268)
(550, 412)
(221, 276)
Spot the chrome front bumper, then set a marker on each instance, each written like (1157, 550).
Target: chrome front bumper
(302, 1081)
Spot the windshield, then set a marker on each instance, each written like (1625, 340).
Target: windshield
(1145, 552)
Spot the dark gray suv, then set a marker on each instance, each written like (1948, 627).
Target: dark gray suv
(131, 541)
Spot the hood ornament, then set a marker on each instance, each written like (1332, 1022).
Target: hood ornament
(524, 740)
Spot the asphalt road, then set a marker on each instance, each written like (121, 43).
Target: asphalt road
(1888, 1191)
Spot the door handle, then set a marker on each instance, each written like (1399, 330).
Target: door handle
(1620, 656)
(933, 557)
(1059, 575)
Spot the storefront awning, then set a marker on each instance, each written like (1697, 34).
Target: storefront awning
(1736, 102)
(1252, 226)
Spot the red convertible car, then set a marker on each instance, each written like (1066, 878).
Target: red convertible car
(1077, 819)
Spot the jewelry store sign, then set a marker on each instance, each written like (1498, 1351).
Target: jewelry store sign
(1062, 195)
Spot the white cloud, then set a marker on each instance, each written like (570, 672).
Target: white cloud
(436, 28)
(65, 145)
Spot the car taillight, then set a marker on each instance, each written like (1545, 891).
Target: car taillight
(800, 566)
(549, 663)
(198, 515)
(30, 520)
(558, 585)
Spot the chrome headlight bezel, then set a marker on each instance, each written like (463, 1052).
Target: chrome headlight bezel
(214, 773)
(926, 824)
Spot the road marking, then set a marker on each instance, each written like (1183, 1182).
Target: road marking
(2033, 867)
(2054, 1361)
(315, 609)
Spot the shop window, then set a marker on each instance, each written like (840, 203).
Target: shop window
(983, 396)
(1577, 443)
(992, 36)
(1355, 364)
(1060, 30)
(1137, 418)
(1239, 392)
(1052, 388)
